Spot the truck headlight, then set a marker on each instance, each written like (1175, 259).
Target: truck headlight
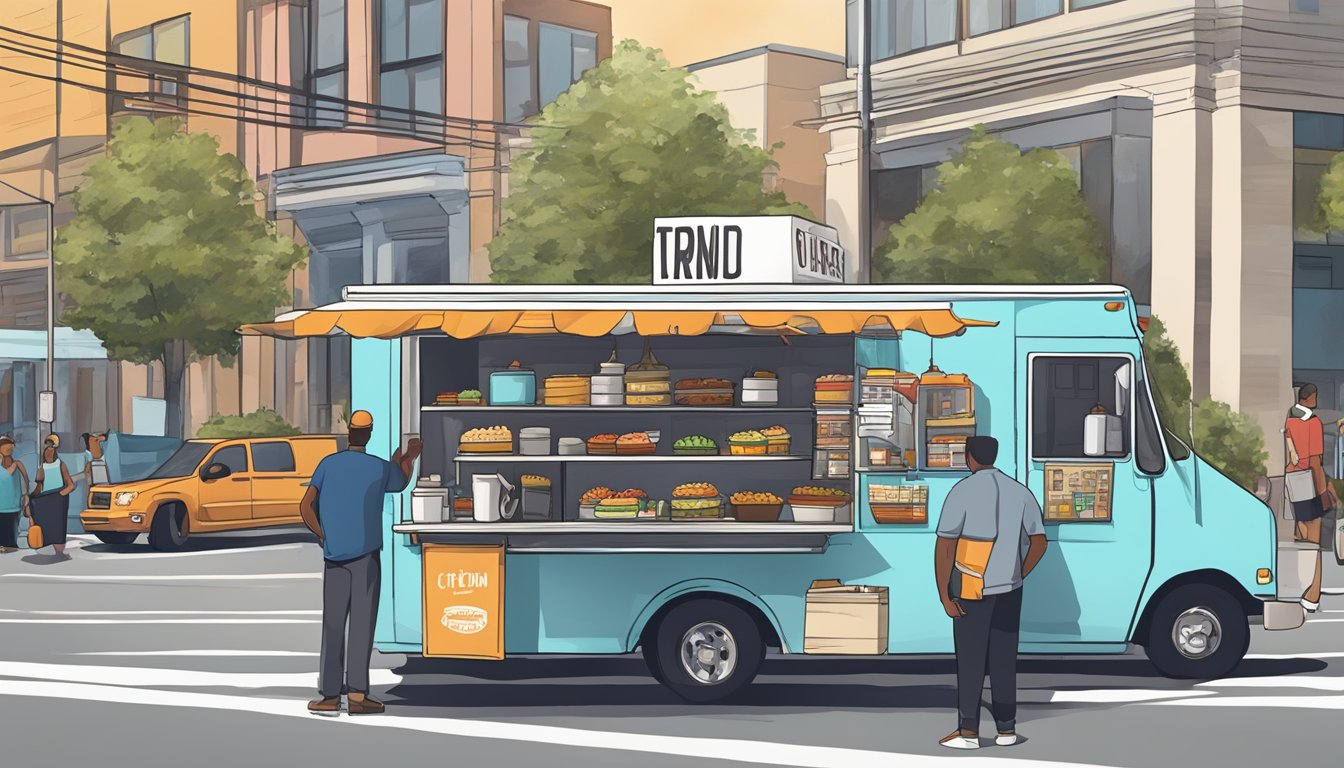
(1264, 576)
(125, 498)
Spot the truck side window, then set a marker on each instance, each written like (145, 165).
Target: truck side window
(1148, 442)
(273, 457)
(1080, 407)
(234, 457)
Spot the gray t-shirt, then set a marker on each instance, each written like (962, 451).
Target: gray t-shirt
(990, 506)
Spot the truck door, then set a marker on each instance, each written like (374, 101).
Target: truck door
(230, 498)
(1077, 420)
(277, 485)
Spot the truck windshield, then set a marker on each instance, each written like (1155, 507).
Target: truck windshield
(183, 462)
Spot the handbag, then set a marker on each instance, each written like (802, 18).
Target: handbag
(1298, 485)
(35, 537)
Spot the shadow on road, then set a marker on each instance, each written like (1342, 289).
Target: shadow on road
(210, 542)
(569, 682)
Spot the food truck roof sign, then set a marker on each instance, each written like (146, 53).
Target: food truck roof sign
(726, 250)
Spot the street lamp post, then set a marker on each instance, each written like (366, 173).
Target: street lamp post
(865, 255)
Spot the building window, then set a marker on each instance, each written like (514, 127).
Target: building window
(902, 26)
(166, 42)
(1305, 6)
(993, 15)
(25, 232)
(1313, 272)
(1031, 10)
(520, 99)
(563, 55)
(410, 74)
(1078, 5)
(1309, 167)
(326, 62)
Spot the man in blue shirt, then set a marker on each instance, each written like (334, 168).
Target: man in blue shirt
(344, 508)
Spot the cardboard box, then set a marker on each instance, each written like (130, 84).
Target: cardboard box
(845, 619)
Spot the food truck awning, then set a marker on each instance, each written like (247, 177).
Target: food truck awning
(465, 316)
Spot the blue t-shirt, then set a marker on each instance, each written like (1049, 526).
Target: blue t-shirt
(350, 487)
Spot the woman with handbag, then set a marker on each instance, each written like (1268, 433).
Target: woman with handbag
(1304, 481)
(49, 504)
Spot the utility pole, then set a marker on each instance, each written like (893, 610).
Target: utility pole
(47, 399)
(865, 255)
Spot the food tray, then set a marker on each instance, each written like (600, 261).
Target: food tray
(636, 449)
(814, 513)
(500, 447)
(703, 398)
(819, 501)
(908, 514)
(777, 447)
(757, 513)
(697, 451)
(747, 449)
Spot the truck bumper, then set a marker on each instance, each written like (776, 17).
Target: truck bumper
(105, 520)
(1284, 614)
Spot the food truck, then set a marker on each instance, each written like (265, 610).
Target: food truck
(701, 473)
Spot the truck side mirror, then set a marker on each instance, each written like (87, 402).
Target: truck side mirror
(215, 471)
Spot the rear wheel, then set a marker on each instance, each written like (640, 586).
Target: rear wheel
(115, 537)
(1198, 631)
(707, 650)
(170, 528)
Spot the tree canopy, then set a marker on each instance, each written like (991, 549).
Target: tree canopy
(997, 215)
(632, 140)
(166, 256)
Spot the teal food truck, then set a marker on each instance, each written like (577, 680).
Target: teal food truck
(703, 473)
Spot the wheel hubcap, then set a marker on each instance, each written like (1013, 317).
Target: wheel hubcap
(708, 653)
(1197, 633)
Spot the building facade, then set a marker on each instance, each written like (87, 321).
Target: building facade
(1198, 128)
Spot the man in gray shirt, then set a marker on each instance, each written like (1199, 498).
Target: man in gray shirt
(986, 508)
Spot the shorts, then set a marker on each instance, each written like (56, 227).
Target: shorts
(1306, 511)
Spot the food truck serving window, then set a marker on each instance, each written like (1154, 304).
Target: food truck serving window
(1081, 407)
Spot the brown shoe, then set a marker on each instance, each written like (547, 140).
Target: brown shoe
(326, 707)
(366, 706)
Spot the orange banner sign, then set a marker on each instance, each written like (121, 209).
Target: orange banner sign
(464, 602)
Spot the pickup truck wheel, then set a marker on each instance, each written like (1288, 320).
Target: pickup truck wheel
(708, 650)
(1198, 631)
(650, 651)
(116, 537)
(169, 530)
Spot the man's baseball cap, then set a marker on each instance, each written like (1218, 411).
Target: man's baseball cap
(361, 420)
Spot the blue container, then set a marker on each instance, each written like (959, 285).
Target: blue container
(516, 386)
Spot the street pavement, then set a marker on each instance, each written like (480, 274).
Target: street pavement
(123, 656)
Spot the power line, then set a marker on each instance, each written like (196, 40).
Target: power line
(320, 106)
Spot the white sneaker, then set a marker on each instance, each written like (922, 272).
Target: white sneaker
(1007, 739)
(955, 740)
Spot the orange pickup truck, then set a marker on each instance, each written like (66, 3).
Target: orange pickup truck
(209, 486)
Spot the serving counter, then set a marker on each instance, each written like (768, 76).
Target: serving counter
(716, 537)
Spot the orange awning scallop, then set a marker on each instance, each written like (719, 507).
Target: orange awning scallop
(467, 324)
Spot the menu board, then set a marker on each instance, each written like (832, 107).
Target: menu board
(464, 601)
(1078, 492)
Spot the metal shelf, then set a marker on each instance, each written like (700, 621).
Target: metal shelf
(610, 409)
(513, 458)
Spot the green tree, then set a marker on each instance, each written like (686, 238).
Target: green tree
(1330, 213)
(166, 255)
(1230, 441)
(260, 423)
(997, 215)
(632, 140)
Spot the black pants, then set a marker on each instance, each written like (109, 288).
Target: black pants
(9, 529)
(349, 593)
(986, 640)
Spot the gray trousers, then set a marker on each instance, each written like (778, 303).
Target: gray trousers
(349, 591)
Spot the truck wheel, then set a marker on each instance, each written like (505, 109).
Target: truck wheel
(169, 530)
(707, 650)
(116, 537)
(1198, 631)
(650, 651)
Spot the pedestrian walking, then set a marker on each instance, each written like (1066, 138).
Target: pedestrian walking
(95, 465)
(990, 536)
(49, 507)
(13, 495)
(344, 508)
(1305, 483)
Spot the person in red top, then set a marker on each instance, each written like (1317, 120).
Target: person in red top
(1307, 437)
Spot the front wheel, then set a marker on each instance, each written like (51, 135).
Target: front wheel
(707, 650)
(168, 531)
(115, 537)
(1198, 631)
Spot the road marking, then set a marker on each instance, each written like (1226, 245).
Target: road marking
(1325, 621)
(1309, 682)
(201, 553)
(699, 748)
(160, 621)
(1259, 702)
(157, 677)
(1303, 655)
(105, 578)
(303, 612)
(196, 652)
(1119, 696)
